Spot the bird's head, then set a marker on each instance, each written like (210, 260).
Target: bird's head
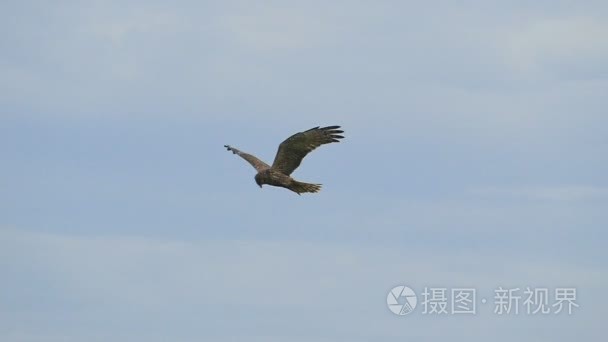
(258, 180)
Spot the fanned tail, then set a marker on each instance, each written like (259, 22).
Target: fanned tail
(301, 187)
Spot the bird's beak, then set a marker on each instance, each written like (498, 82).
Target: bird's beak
(260, 186)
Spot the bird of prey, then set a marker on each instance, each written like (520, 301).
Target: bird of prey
(288, 158)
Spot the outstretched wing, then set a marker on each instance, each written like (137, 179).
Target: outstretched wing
(295, 148)
(255, 162)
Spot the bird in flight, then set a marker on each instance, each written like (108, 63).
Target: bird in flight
(288, 158)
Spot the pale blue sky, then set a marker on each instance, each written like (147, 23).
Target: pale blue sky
(475, 155)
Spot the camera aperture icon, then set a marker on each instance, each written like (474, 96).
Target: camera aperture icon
(401, 300)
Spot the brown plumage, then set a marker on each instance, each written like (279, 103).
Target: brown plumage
(288, 158)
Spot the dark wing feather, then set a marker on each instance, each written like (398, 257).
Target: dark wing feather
(295, 148)
(255, 162)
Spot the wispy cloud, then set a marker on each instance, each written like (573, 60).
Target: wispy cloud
(571, 47)
(555, 193)
(337, 283)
